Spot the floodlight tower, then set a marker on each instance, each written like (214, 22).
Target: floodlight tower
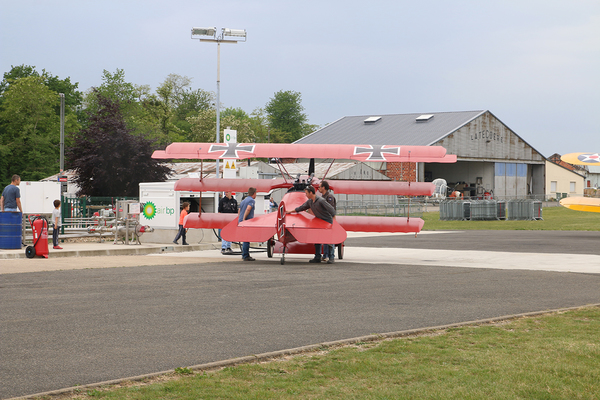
(233, 36)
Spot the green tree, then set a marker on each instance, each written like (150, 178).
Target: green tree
(285, 115)
(21, 71)
(73, 97)
(108, 158)
(29, 121)
(169, 108)
(204, 125)
(29, 143)
(264, 133)
(126, 94)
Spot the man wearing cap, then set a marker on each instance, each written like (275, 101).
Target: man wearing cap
(227, 205)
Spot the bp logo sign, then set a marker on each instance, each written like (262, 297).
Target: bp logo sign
(149, 210)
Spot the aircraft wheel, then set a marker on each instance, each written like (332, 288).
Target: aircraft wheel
(340, 251)
(282, 261)
(30, 252)
(270, 247)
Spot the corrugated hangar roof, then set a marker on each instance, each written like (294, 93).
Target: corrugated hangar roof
(417, 129)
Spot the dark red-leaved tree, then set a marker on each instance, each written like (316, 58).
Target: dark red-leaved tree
(108, 159)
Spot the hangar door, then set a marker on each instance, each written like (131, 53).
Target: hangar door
(510, 180)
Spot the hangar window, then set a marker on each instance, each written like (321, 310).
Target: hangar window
(371, 120)
(424, 117)
(572, 187)
(553, 186)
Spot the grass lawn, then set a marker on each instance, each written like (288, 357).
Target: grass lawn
(553, 356)
(555, 219)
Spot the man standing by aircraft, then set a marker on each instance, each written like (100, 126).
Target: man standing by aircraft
(247, 207)
(328, 249)
(228, 205)
(320, 209)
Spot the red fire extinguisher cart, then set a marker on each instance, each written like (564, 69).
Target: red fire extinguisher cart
(39, 227)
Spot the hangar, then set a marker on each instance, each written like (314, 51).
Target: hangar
(491, 157)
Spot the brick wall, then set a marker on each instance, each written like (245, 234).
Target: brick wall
(401, 171)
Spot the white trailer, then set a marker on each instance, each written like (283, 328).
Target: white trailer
(161, 204)
(38, 197)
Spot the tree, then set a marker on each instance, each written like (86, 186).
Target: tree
(73, 97)
(263, 132)
(29, 130)
(108, 158)
(29, 122)
(126, 94)
(21, 71)
(204, 126)
(285, 114)
(167, 111)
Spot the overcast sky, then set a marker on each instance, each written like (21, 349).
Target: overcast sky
(535, 64)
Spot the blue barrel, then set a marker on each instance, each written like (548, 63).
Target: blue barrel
(10, 230)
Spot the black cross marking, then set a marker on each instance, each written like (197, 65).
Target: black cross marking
(230, 150)
(376, 153)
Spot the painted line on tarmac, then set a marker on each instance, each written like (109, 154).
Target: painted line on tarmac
(555, 262)
(274, 355)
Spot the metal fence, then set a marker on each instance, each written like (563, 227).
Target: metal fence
(485, 210)
(78, 215)
(85, 207)
(402, 208)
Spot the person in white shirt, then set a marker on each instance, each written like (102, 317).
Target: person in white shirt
(56, 224)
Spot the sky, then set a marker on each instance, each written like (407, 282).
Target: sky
(535, 64)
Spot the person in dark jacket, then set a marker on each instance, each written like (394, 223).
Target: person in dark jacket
(228, 205)
(320, 209)
(328, 249)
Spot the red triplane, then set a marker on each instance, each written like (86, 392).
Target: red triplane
(297, 233)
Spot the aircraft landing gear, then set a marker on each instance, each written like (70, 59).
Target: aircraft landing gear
(282, 261)
(341, 251)
(270, 247)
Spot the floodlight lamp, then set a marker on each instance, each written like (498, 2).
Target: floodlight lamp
(234, 32)
(204, 31)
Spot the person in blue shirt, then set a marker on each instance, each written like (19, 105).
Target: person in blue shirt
(247, 207)
(11, 196)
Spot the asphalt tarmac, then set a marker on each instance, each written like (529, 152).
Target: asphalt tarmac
(73, 327)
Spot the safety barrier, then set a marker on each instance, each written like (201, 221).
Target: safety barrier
(517, 209)
(484, 210)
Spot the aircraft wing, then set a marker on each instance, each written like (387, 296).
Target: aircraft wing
(588, 204)
(257, 229)
(208, 220)
(382, 187)
(368, 153)
(380, 224)
(581, 158)
(233, 185)
(338, 186)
